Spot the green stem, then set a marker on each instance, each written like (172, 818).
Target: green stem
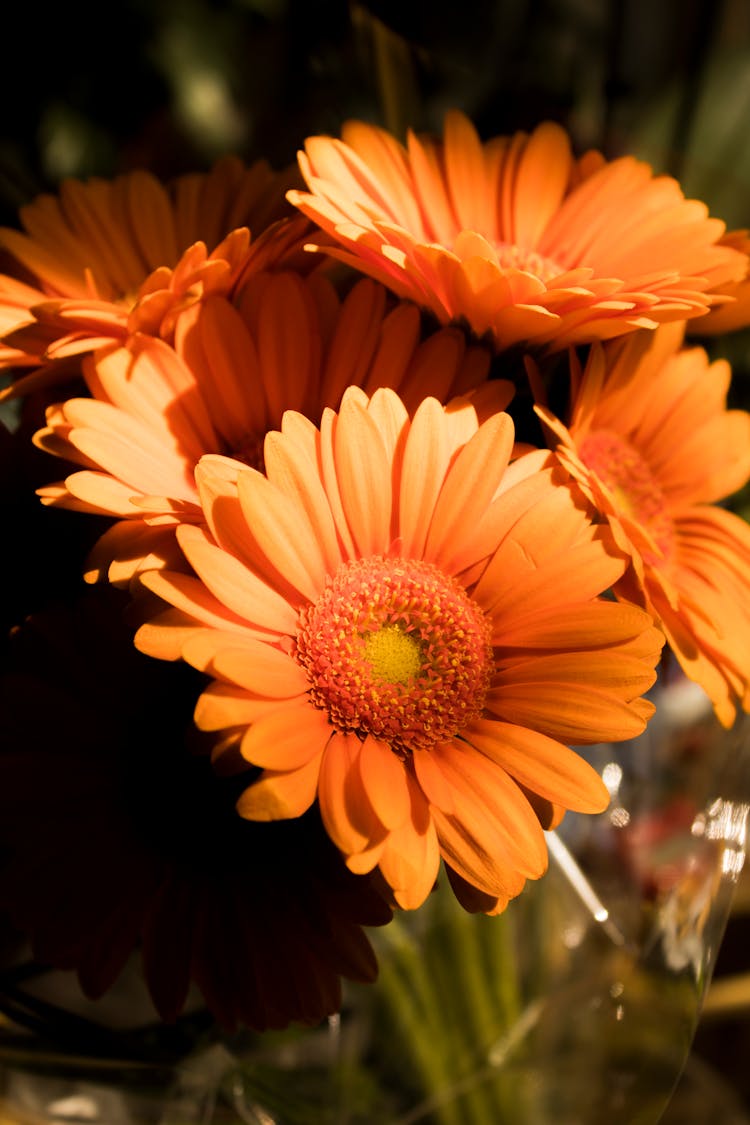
(454, 994)
(414, 1004)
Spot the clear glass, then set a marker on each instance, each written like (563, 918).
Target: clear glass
(578, 1005)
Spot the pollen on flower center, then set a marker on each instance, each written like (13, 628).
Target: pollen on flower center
(510, 256)
(397, 649)
(395, 656)
(628, 477)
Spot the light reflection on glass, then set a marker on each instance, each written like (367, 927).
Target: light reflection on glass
(726, 821)
(612, 776)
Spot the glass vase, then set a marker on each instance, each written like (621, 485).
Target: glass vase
(577, 1005)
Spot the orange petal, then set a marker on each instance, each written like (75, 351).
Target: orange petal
(281, 796)
(410, 860)
(468, 489)
(541, 183)
(364, 478)
(288, 738)
(283, 531)
(493, 831)
(289, 468)
(385, 781)
(225, 705)
(258, 667)
(541, 764)
(570, 712)
(347, 812)
(426, 458)
(242, 592)
(190, 595)
(433, 782)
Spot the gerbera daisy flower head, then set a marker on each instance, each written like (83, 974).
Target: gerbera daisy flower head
(515, 237)
(653, 445)
(234, 369)
(104, 259)
(734, 314)
(122, 856)
(407, 627)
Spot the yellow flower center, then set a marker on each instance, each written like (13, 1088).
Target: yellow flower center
(635, 490)
(396, 649)
(395, 656)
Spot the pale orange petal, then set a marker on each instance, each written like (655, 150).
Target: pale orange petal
(410, 859)
(426, 458)
(385, 781)
(281, 796)
(362, 467)
(542, 764)
(468, 489)
(243, 593)
(224, 705)
(283, 531)
(288, 738)
(347, 813)
(256, 666)
(572, 712)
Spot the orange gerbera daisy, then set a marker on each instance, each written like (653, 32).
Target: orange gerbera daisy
(515, 236)
(227, 381)
(404, 625)
(734, 314)
(654, 447)
(108, 258)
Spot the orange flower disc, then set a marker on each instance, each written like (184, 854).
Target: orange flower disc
(396, 649)
(636, 490)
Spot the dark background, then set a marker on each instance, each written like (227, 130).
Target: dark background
(172, 85)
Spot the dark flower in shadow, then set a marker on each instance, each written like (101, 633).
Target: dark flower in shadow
(116, 835)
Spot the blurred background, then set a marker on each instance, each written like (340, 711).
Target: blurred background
(170, 86)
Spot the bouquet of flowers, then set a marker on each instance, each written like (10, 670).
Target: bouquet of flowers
(395, 481)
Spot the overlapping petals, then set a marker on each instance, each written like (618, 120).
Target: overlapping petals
(346, 545)
(652, 442)
(734, 314)
(105, 259)
(155, 409)
(515, 237)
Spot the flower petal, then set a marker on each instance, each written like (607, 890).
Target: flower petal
(385, 781)
(288, 738)
(242, 592)
(542, 764)
(281, 796)
(347, 812)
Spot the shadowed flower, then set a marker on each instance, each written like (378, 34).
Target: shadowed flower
(119, 841)
(654, 447)
(105, 259)
(404, 625)
(290, 344)
(515, 237)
